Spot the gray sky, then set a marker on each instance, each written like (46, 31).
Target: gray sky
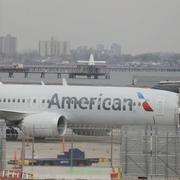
(138, 25)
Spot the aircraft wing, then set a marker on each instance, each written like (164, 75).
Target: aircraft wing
(100, 62)
(82, 61)
(13, 115)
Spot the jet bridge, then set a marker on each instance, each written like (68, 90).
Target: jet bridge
(172, 86)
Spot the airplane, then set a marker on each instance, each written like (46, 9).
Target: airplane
(46, 110)
(91, 61)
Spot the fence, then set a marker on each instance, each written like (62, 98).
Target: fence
(136, 150)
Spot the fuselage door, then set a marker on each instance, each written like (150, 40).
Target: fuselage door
(160, 106)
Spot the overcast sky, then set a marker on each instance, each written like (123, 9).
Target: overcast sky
(138, 25)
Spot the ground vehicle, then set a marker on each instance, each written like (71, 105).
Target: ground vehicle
(73, 157)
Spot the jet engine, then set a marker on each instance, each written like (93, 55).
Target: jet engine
(46, 124)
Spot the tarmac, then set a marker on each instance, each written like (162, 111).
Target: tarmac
(99, 148)
(50, 150)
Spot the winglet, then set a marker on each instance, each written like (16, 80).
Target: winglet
(42, 83)
(64, 82)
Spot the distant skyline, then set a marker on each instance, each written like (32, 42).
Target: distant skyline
(139, 26)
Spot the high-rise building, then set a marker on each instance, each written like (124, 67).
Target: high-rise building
(8, 45)
(42, 48)
(116, 49)
(100, 47)
(54, 48)
(66, 47)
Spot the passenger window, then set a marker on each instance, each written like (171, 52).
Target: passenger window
(9, 100)
(4, 100)
(34, 100)
(13, 100)
(43, 101)
(23, 100)
(18, 100)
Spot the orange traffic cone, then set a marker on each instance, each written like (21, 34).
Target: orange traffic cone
(114, 175)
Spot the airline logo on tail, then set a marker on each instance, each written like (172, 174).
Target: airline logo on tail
(145, 104)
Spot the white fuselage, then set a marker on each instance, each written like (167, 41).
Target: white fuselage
(106, 106)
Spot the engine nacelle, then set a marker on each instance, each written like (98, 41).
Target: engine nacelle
(45, 124)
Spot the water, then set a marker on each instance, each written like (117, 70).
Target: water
(126, 78)
(140, 78)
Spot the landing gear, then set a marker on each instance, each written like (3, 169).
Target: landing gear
(11, 133)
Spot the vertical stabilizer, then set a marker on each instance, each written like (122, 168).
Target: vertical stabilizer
(91, 60)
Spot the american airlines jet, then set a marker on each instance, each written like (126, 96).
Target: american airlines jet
(52, 107)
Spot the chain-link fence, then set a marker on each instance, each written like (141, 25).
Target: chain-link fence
(138, 151)
(154, 153)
